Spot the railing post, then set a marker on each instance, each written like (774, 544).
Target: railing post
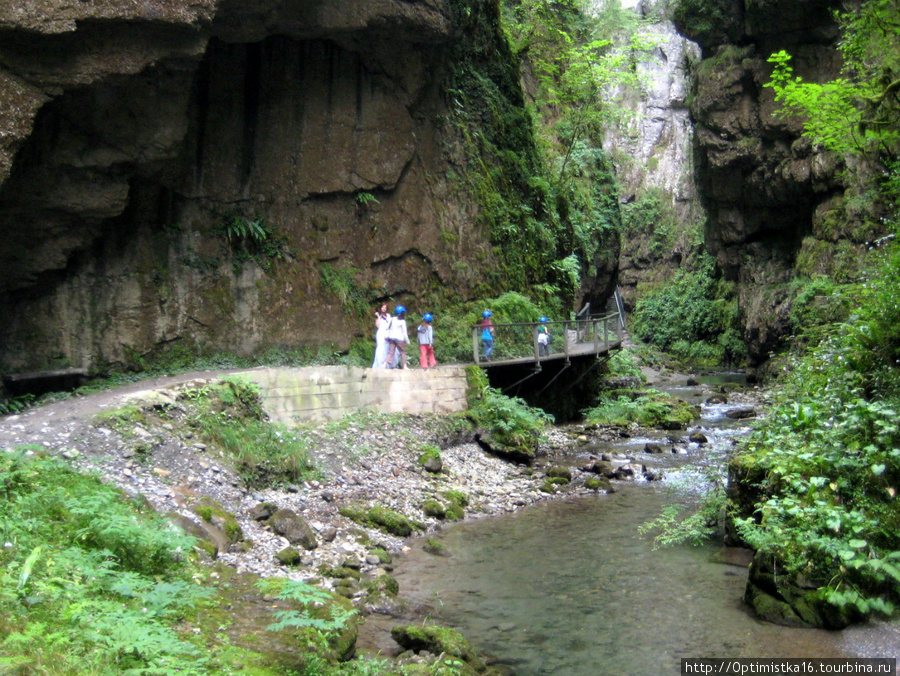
(475, 344)
(565, 336)
(534, 343)
(606, 333)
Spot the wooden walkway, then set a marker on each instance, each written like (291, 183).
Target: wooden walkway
(517, 344)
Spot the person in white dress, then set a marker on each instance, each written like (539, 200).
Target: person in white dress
(382, 322)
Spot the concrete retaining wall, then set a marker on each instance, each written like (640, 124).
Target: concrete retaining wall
(329, 392)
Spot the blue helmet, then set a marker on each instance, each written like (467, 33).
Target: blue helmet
(543, 320)
(486, 314)
(428, 317)
(399, 310)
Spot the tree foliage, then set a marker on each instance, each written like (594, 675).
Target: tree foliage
(830, 458)
(859, 111)
(693, 315)
(574, 57)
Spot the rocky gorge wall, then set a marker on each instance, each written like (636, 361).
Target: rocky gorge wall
(777, 206)
(178, 171)
(654, 153)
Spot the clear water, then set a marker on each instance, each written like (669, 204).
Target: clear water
(572, 588)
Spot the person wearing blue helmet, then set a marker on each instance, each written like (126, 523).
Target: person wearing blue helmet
(426, 342)
(398, 338)
(543, 338)
(487, 334)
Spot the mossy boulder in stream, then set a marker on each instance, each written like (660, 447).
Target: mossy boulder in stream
(437, 640)
(782, 599)
(595, 483)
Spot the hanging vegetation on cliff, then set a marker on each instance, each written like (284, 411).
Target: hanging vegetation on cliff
(815, 490)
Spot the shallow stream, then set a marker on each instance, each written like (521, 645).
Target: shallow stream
(572, 588)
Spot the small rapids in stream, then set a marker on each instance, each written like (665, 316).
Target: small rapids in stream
(571, 588)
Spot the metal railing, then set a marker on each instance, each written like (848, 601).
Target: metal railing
(576, 337)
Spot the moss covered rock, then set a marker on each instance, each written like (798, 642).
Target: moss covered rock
(597, 484)
(434, 508)
(383, 518)
(288, 557)
(216, 516)
(292, 526)
(437, 640)
(430, 459)
(435, 547)
(560, 473)
(456, 497)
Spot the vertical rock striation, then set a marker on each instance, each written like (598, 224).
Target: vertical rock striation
(140, 143)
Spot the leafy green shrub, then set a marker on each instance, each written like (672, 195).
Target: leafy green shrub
(511, 423)
(692, 308)
(90, 580)
(648, 409)
(651, 214)
(453, 324)
(625, 363)
(694, 528)
(15, 405)
(320, 610)
(826, 462)
(230, 416)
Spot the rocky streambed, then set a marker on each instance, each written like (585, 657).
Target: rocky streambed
(303, 531)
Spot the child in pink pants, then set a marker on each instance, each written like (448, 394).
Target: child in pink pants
(426, 342)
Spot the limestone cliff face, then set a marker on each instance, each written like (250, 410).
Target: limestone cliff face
(772, 198)
(655, 152)
(137, 140)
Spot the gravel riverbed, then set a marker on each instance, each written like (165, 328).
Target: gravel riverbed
(372, 461)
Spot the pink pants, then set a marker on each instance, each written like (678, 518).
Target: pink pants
(426, 356)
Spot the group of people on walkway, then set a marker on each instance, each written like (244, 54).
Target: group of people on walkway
(392, 337)
(487, 335)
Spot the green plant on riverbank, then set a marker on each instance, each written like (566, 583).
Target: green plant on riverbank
(229, 415)
(91, 581)
(696, 527)
(825, 465)
(694, 316)
(815, 487)
(645, 408)
(510, 422)
(94, 582)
